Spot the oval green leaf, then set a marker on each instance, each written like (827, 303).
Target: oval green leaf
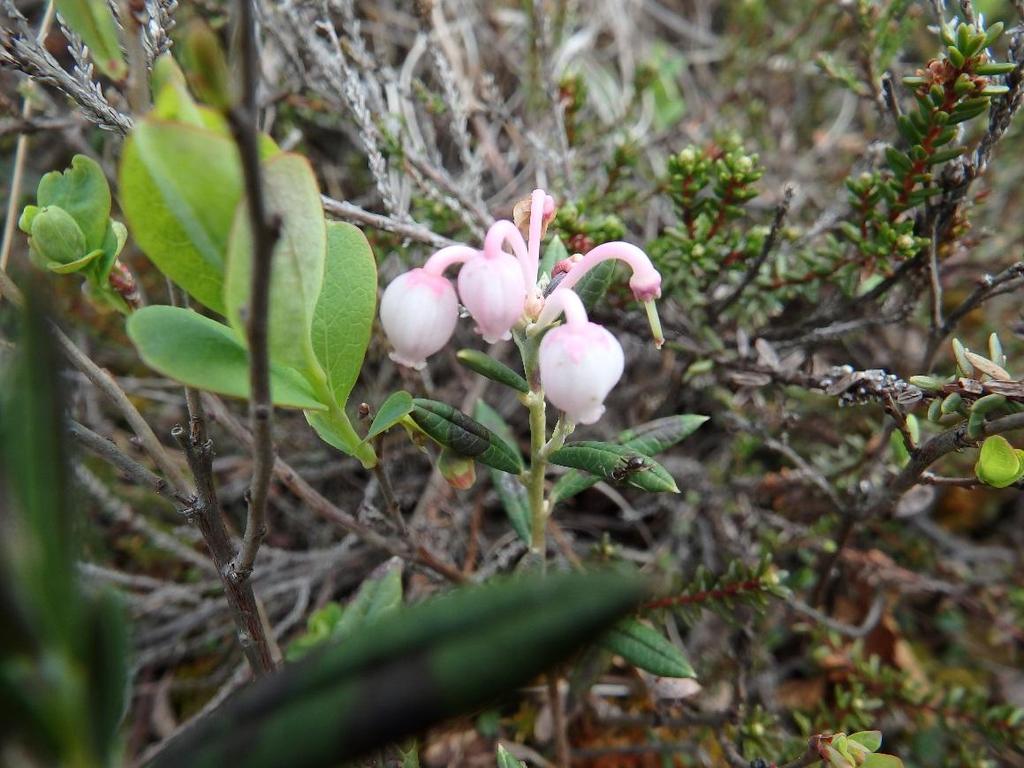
(82, 191)
(998, 463)
(291, 194)
(343, 318)
(391, 411)
(204, 354)
(180, 186)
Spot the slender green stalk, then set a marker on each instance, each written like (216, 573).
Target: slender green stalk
(538, 464)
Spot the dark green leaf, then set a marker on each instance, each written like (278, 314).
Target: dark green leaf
(511, 492)
(204, 354)
(345, 309)
(647, 649)
(180, 186)
(616, 463)
(487, 366)
(650, 439)
(454, 429)
(406, 672)
(392, 410)
(594, 285)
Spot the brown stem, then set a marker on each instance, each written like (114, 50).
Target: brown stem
(243, 120)
(205, 513)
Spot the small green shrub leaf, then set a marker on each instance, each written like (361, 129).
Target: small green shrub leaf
(379, 596)
(999, 464)
(870, 740)
(392, 410)
(650, 439)
(82, 191)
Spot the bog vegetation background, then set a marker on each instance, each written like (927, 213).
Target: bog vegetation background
(719, 470)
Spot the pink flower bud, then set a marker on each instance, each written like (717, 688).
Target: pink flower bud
(580, 362)
(418, 311)
(492, 289)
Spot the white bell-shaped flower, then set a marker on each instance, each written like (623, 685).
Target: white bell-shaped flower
(419, 310)
(492, 289)
(580, 362)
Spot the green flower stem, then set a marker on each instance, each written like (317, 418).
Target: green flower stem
(538, 464)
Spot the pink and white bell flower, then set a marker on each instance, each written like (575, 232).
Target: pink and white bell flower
(419, 308)
(580, 361)
(500, 290)
(493, 289)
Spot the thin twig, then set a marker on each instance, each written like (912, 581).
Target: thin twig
(135, 472)
(109, 387)
(408, 229)
(243, 118)
(316, 501)
(769, 243)
(206, 514)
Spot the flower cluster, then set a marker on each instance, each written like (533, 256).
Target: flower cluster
(579, 361)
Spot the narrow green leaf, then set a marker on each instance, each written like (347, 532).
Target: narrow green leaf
(490, 368)
(379, 596)
(650, 439)
(647, 649)
(180, 186)
(204, 354)
(297, 269)
(454, 429)
(510, 491)
(616, 463)
(659, 435)
(391, 411)
(406, 672)
(93, 21)
(344, 313)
